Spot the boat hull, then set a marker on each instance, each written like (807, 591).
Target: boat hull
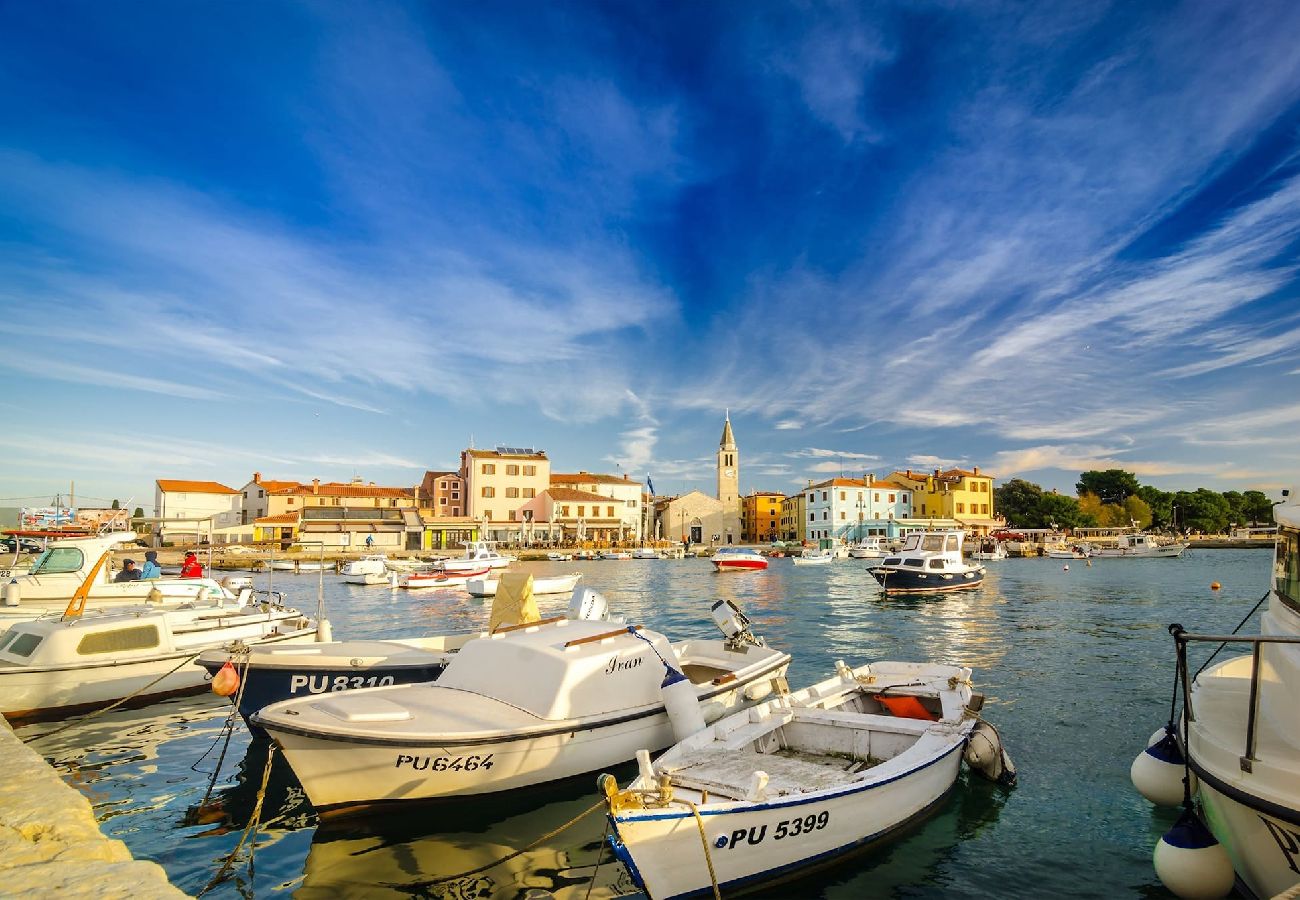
(759, 843)
(487, 587)
(417, 580)
(54, 692)
(899, 581)
(342, 771)
(740, 565)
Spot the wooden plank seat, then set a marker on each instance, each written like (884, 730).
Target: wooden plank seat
(728, 773)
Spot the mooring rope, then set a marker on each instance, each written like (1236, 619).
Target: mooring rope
(708, 854)
(81, 720)
(248, 829)
(229, 726)
(1240, 625)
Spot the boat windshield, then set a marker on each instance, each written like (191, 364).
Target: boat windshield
(1286, 569)
(932, 543)
(58, 561)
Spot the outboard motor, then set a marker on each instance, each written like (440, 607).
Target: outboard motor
(589, 604)
(734, 625)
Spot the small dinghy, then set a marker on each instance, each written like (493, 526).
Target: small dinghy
(438, 578)
(801, 778)
(371, 569)
(545, 584)
(556, 556)
(814, 557)
(526, 705)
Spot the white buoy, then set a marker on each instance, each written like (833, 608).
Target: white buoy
(13, 594)
(681, 704)
(1065, 568)
(393, 580)
(1191, 863)
(1158, 771)
(324, 631)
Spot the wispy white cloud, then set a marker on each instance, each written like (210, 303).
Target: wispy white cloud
(820, 453)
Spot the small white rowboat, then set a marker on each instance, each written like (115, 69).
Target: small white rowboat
(556, 584)
(439, 579)
(801, 778)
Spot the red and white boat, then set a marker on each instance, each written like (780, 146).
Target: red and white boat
(738, 559)
(438, 579)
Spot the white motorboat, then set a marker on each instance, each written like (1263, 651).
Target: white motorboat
(296, 566)
(438, 578)
(521, 707)
(811, 556)
(646, 553)
(59, 665)
(478, 555)
(69, 563)
(1140, 546)
(556, 556)
(930, 562)
(738, 559)
(616, 554)
(1239, 734)
(800, 779)
(989, 549)
(1068, 551)
(274, 673)
(372, 569)
(542, 584)
(869, 548)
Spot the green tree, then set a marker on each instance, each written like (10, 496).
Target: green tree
(1018, 501)
(1136, 510)
(1112, 485)
(1257, 508)
(116, 505)
(1063, 512)
(1160, 503)
(1202, 510)
(138, 514)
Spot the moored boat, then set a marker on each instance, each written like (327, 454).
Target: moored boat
(520, 707)
(1238, 738)
(438, 578)
(1068, 551)
(869, 548)
(812, 556)
(542, 584)
(738, 559)
(78, 661)
(989, 549)
(478, 555)
(1141, 546)
(616, 554)
(800, 779)
(930, 562)
(372, 569)
(646, 553)
(557, 556)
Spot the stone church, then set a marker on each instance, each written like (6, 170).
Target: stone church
(700, 519)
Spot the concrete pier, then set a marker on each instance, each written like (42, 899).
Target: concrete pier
(51, 845)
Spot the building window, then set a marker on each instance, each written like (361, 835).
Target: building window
(891, 498)
(984, 508)
(609, 512)
(455, 495)
(582, 510)
(877, 515)
(336, 502)
(290, 501)
(825, 496)
(530, 492)
(811, 498)
(961, 508)
(260, 494)
(489, 492)
(512, 470)
(825, 515)
(489, 468)
(841, 515)
(631, 504)
(442, 501)
(512, 515)
(512, 492)
(487, 514)
(392, 502)
(530, 470)
(812, 517)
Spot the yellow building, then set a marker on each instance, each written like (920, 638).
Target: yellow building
(794, 510)
(760, 517)
(958, 494)
(498, 483)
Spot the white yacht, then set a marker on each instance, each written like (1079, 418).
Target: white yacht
(869, 548)
(478, 555)
(1240, 736)
(372, 569)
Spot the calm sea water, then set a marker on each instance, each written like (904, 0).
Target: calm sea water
(1076, 664)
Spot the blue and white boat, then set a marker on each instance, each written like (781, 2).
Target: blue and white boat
(929, 563)
(798, 780)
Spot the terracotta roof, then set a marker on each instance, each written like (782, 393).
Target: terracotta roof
(336, 489)
(838, 482)
(569, 495)
(284, 518)
(886, 483)
(964, 473)
(589, 478)
(272, 486)
(196, 487)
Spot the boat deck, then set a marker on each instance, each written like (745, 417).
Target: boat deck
(728, 773)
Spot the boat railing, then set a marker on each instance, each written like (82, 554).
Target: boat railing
(1257, 641)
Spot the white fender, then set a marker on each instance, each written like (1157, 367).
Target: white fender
(1191, 863)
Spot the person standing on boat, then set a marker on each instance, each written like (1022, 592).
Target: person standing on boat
(151, 568)
(129, 571)
(190, 568)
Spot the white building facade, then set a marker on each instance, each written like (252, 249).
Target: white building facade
(851, 509)
(191, 510)
(625, 493)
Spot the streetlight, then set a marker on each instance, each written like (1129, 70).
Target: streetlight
(861, 506)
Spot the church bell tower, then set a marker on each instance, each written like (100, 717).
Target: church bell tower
(728, 468)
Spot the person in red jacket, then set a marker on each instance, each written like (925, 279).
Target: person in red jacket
(190, 568)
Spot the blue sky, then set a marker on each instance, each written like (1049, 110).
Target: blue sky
(320, 240)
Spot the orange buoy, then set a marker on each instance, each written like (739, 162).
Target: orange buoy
(1214, 585)
(226, 681)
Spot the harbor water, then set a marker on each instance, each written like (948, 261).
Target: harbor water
(1076, 663)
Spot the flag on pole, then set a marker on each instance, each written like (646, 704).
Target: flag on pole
(650, 484)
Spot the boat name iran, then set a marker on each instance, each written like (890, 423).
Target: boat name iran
(784, 829)
(619, 665)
